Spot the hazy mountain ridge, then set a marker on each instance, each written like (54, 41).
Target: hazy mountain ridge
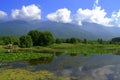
(59, 30)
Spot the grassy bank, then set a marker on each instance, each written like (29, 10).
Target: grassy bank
(38, 52)
(5, 57)
(69, 48)
(86, 48)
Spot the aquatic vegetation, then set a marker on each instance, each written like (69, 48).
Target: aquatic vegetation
(21, 74)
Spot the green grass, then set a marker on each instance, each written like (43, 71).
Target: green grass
(86, 48)
(5, 57)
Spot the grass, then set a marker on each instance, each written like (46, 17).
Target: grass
(86, 48)
(38, 52)
(71, 48)
(5, 57)
(21, 74)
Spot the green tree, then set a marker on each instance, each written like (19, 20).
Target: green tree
(85, 40)
(7, 40)
(15, 41)
(25, 41)
(35, 36)
(58, 41)
(100, 41)
(67, 40)
(45, 39)
(73, 40)
(115, 40)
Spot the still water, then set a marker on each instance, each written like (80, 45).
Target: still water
(78, 67)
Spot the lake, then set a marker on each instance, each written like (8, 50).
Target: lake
(77, 67)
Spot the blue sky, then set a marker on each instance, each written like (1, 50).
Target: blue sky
(66, 11)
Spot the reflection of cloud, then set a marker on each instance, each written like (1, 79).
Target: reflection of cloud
(103, 72)
(66, 72)
(107, 72)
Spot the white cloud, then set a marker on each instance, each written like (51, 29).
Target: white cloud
(61, 15)
(3, 14)
(30, 12)
(116, 18)
(96, 3)
(95, 15)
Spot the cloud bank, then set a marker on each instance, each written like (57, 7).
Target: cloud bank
(61, 15)
(95, 15)
(30, 12)
(3, 14)
(116, 18)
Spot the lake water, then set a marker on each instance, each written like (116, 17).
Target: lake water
(77, 67)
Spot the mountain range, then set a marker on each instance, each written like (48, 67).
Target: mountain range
(91, 31)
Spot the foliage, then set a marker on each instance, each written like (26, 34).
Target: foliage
(26, 41)
(58, 41)
(85, 40)
(45, 39)
(115, 40)
(100, 41)
(35, 36)
(73, 40)
(7, 40)
(41, 38)
(15, 41)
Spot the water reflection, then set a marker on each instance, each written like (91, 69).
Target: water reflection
(77, 67)
(58, 54)
(42, 60)
(73, 54)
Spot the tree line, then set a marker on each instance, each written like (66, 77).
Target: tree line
(38, 38)
(33, 38)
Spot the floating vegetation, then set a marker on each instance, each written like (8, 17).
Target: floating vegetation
(21, 74)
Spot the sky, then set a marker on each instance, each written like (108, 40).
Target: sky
(104, 12)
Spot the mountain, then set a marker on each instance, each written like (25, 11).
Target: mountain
(14, 28)
(91, 31)
(65, 30)
(87, 30)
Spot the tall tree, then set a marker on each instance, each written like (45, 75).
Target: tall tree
(7, 40)
(100, 40)
(73, 40)
(58, 41)
(45, 38)
(25, 41)
(35, 36)
(85, 40)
